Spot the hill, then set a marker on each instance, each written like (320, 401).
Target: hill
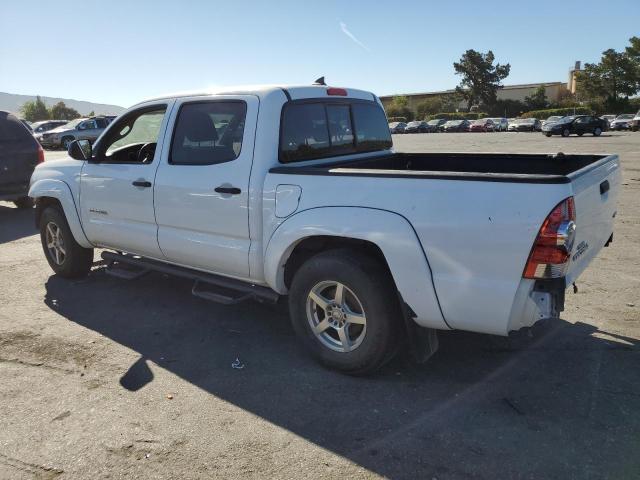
(12, 103)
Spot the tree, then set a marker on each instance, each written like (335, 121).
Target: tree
(61, 112)
(400, 108)
(614, 79)
(92, 113)
(429, 106)
(34, 110)
(537, 100)
(480, 77)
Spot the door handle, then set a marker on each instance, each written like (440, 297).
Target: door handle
(141, 183)
(228, 190)
(604, 187)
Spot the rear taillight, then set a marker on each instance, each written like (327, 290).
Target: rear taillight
(40, 154)
(551, 252)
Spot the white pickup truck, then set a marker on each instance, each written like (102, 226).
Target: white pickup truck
(262, 192)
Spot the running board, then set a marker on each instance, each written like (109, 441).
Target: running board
(227, 291)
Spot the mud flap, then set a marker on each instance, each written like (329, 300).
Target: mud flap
(422, 342)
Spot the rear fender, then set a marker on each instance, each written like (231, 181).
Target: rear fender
(60, 191)
(392, 233)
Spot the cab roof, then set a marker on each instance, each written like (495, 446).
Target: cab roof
(290, 92)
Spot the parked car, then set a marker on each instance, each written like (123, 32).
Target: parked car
(525, 125)
(397, 127)
(501, 124)
(436, 125)
(551, 119)
(482, 125)
(609, 118)
(19, 155)
(622, 122)
(416, 127)
(635, 124)
(579, 125)
(372, 247)
(45, 125)
(456, 126)
(78, 129)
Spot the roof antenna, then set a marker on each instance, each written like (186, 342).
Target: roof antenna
(320, 81)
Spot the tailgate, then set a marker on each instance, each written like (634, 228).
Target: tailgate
(595, 191)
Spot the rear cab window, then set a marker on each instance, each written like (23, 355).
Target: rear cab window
(312, 129)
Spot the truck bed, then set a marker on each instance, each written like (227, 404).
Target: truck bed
(497, 167)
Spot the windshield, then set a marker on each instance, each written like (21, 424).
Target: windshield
(454, 122)
(625, 117)
(524, 120)
(413, 124)
(433, 122)
(72, 123)
(496, 120)
(554, 118)
(480, 122)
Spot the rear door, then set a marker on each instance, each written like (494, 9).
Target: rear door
(595, 191)
(202, 184)
(18, 155)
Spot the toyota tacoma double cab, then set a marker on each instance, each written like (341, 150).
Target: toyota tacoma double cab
(265, 192)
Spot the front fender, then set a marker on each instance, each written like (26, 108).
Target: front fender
(60, 190)
(392, 233)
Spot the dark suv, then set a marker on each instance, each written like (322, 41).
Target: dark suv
(19, 155)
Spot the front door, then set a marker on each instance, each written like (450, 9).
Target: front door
(116, 190)
(202, 184)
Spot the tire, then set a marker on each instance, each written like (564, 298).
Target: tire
(548, 134)
(566, 132)
(24, 202)
(368, 291)
(580, 134)
(597, 132)
(55, 234)
(66, 141)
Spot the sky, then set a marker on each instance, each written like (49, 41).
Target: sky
(121, 52)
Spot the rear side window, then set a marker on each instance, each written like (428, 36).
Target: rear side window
(323, 129)
(207, 133)
(12, 129)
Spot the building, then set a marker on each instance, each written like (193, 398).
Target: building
(553, 90)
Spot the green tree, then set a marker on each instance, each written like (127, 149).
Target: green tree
(429, 106)
(92, 113)
(35, 110)
(400, 108)
(537, 100)
(614, 79)
(61, 112)
(480, 77)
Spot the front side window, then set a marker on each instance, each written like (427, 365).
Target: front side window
(207, 133)
(133, 139)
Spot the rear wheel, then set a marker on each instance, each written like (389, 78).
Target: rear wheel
(65, 256)
(24, 202)
(597, 132)
(344, 308)
(548, 134)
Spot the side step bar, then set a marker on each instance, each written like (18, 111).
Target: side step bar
(226, 290)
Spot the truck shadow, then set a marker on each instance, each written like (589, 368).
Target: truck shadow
(15, 223)
(562, 401)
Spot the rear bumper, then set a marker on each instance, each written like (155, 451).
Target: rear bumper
(536, 300)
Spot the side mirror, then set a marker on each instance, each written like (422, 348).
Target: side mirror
(80, 150)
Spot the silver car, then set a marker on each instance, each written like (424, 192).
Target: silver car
(78, 129)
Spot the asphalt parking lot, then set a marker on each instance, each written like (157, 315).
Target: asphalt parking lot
(103, 378)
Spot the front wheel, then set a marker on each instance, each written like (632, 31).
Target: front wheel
(66, 141)
(65, 256)
(345, 309)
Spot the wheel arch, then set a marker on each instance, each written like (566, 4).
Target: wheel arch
(385, 235)
(50, 192)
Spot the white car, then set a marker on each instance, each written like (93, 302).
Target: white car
(259, 193)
